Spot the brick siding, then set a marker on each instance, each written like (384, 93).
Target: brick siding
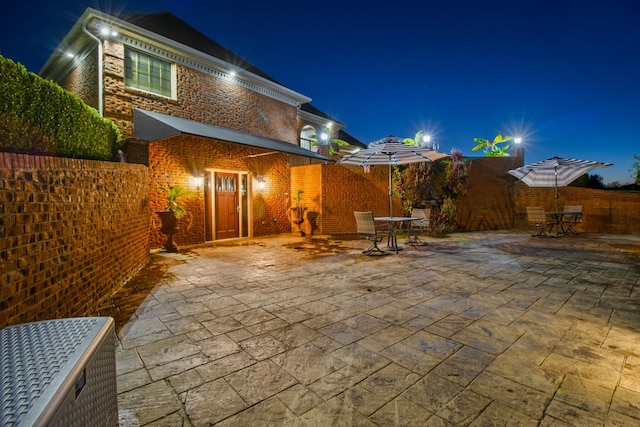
(200, 97)
(176, 160)
(71, 232)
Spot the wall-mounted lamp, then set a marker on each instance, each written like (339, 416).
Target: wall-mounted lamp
(517, 140)
(198, 180)
(261, 184)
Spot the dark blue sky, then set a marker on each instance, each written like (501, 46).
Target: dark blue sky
(564, 75)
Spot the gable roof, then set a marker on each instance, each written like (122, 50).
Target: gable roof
(183, 41)
(172, 27)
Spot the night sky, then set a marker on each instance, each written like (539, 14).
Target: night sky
(563, 75)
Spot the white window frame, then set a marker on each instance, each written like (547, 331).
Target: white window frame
(149, 88)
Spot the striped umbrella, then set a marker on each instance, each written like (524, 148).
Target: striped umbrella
(391, 150)
(555, 172)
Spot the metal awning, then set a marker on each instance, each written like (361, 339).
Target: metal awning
(154, 126)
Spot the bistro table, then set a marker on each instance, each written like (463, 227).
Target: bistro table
(396, 223)
(559, 223)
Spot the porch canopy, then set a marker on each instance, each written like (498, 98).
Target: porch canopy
(154, 126)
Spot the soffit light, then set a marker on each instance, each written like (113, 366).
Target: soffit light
(106, 31)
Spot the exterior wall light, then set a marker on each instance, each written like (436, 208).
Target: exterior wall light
(198, 180)
(517, 140)
(261, 183)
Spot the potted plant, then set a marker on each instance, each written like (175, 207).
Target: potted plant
(172, 213)
(493, 148)
(298, 212)
(327, 146)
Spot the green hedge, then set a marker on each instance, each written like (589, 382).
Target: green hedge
(39, 117)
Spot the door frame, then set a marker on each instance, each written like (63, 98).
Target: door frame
(239, 173)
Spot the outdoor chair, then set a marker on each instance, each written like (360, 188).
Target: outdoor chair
(536, 216)
(418, 227)
(572, 216)
(368, 229)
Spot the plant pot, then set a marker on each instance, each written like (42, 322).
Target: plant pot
(169, 228)
(297, 217)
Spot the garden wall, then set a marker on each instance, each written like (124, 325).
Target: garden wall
(495, 200)
(604, 211)
(488, 204)
(71, 232)
(332, 192)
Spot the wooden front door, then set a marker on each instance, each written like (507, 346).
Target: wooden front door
(226, 205)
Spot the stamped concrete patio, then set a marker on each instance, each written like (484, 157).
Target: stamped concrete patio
(480, 329)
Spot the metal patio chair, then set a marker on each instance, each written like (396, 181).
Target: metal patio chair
(419, 227)
(572, 216)
(537, 216)
(368, 229)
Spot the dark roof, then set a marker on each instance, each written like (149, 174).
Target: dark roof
(313, 110)
(172, 27)
(154, 126)
(350, 139)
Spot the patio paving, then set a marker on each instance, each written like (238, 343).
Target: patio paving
(479, 329)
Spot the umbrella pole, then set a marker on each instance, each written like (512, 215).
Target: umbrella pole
(555, 173)
(390, 193)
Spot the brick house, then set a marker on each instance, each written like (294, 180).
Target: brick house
(205, 118)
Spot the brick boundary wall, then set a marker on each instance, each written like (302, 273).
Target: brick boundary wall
(71, 233)
(497, 201)
(603, 211)
(494, 201)
(488, 204)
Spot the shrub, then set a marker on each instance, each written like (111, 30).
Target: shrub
(39, 117)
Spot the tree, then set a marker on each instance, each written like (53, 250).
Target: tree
(595, 181)
(635, 169)
(589, 181)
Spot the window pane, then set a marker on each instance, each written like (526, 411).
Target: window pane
(147, 72)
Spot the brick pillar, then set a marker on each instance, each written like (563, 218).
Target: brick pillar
(136, 151)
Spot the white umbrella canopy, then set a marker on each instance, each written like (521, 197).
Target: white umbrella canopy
(555, 172)
(390, 151)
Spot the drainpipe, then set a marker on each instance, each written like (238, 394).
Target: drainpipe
(100, 64)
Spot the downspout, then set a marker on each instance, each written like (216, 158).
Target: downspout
(100, 73)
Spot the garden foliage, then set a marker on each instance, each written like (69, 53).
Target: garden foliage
(439, 185)
(39, 117)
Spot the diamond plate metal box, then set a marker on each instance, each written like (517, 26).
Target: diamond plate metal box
(59, 373)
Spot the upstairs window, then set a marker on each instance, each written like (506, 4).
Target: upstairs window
(148, 73)
(307, 139)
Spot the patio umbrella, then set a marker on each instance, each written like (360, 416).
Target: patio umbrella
(390, 151)
(555, 172)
